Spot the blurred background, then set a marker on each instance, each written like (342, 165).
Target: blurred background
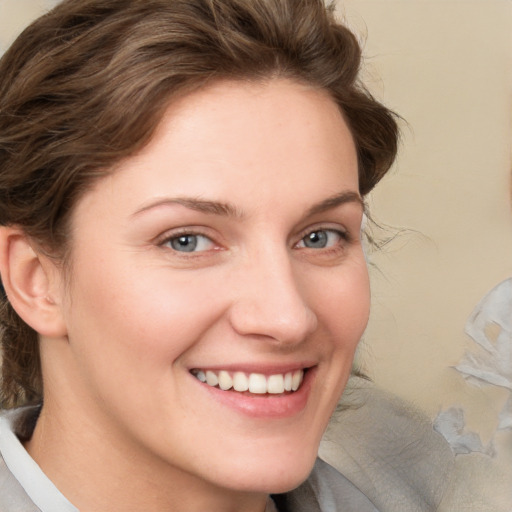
(440, 334)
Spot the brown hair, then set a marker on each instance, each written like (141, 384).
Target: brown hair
(86, 85)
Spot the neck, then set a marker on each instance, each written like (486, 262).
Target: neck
(96, 474)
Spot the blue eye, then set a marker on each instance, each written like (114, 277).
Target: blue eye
(190, 243)
(321, 239)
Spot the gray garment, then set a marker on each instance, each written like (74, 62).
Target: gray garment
(23, 486)
(389, 450)
(13, 498)
(326, 490)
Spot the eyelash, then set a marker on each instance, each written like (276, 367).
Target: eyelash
(344, 238)
(167, 239)
(336, 247)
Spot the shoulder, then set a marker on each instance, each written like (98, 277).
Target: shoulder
(13, 497)
(325, 490)
(388, 450)
(379, 455)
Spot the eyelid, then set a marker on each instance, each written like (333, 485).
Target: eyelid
(172, 234)
(342, 240)
(337, 228)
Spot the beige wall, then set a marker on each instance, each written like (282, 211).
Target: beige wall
(445, 66)
(16, 14)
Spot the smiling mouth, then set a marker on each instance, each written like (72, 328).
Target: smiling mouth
(256, 383)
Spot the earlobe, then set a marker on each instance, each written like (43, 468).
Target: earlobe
(31, 281)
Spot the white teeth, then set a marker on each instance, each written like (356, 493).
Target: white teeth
(240, 382)
(275, 384)
(211, 378)
(256, 383)
(288, 381)
(225, 381)
(297, 379)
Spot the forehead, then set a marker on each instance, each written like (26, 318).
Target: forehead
(233, 139)
(248, 110)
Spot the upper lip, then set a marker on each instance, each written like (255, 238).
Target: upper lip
(264, 369)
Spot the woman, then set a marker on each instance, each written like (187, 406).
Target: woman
(182, 192)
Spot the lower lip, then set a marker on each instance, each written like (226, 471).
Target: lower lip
(265, 406)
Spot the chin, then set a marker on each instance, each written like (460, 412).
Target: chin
(275, 474)
(288, 482)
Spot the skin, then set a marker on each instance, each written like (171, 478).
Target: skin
(125, 425)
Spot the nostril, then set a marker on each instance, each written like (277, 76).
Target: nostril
(268, 301)
(281, 324)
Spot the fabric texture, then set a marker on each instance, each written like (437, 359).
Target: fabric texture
(13, 497)
(388, 449)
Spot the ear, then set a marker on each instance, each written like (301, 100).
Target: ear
(32, 283)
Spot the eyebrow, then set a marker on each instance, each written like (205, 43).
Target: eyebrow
(200, 205)
(229, 210)
(348, 196)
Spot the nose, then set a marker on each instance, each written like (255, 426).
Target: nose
(270, 302)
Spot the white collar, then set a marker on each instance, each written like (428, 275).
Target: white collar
(30, 476)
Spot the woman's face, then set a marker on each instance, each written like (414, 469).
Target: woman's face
(227, 250)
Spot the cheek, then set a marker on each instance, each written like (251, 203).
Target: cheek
(345, 305)
(140, 313)
(133, 328)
